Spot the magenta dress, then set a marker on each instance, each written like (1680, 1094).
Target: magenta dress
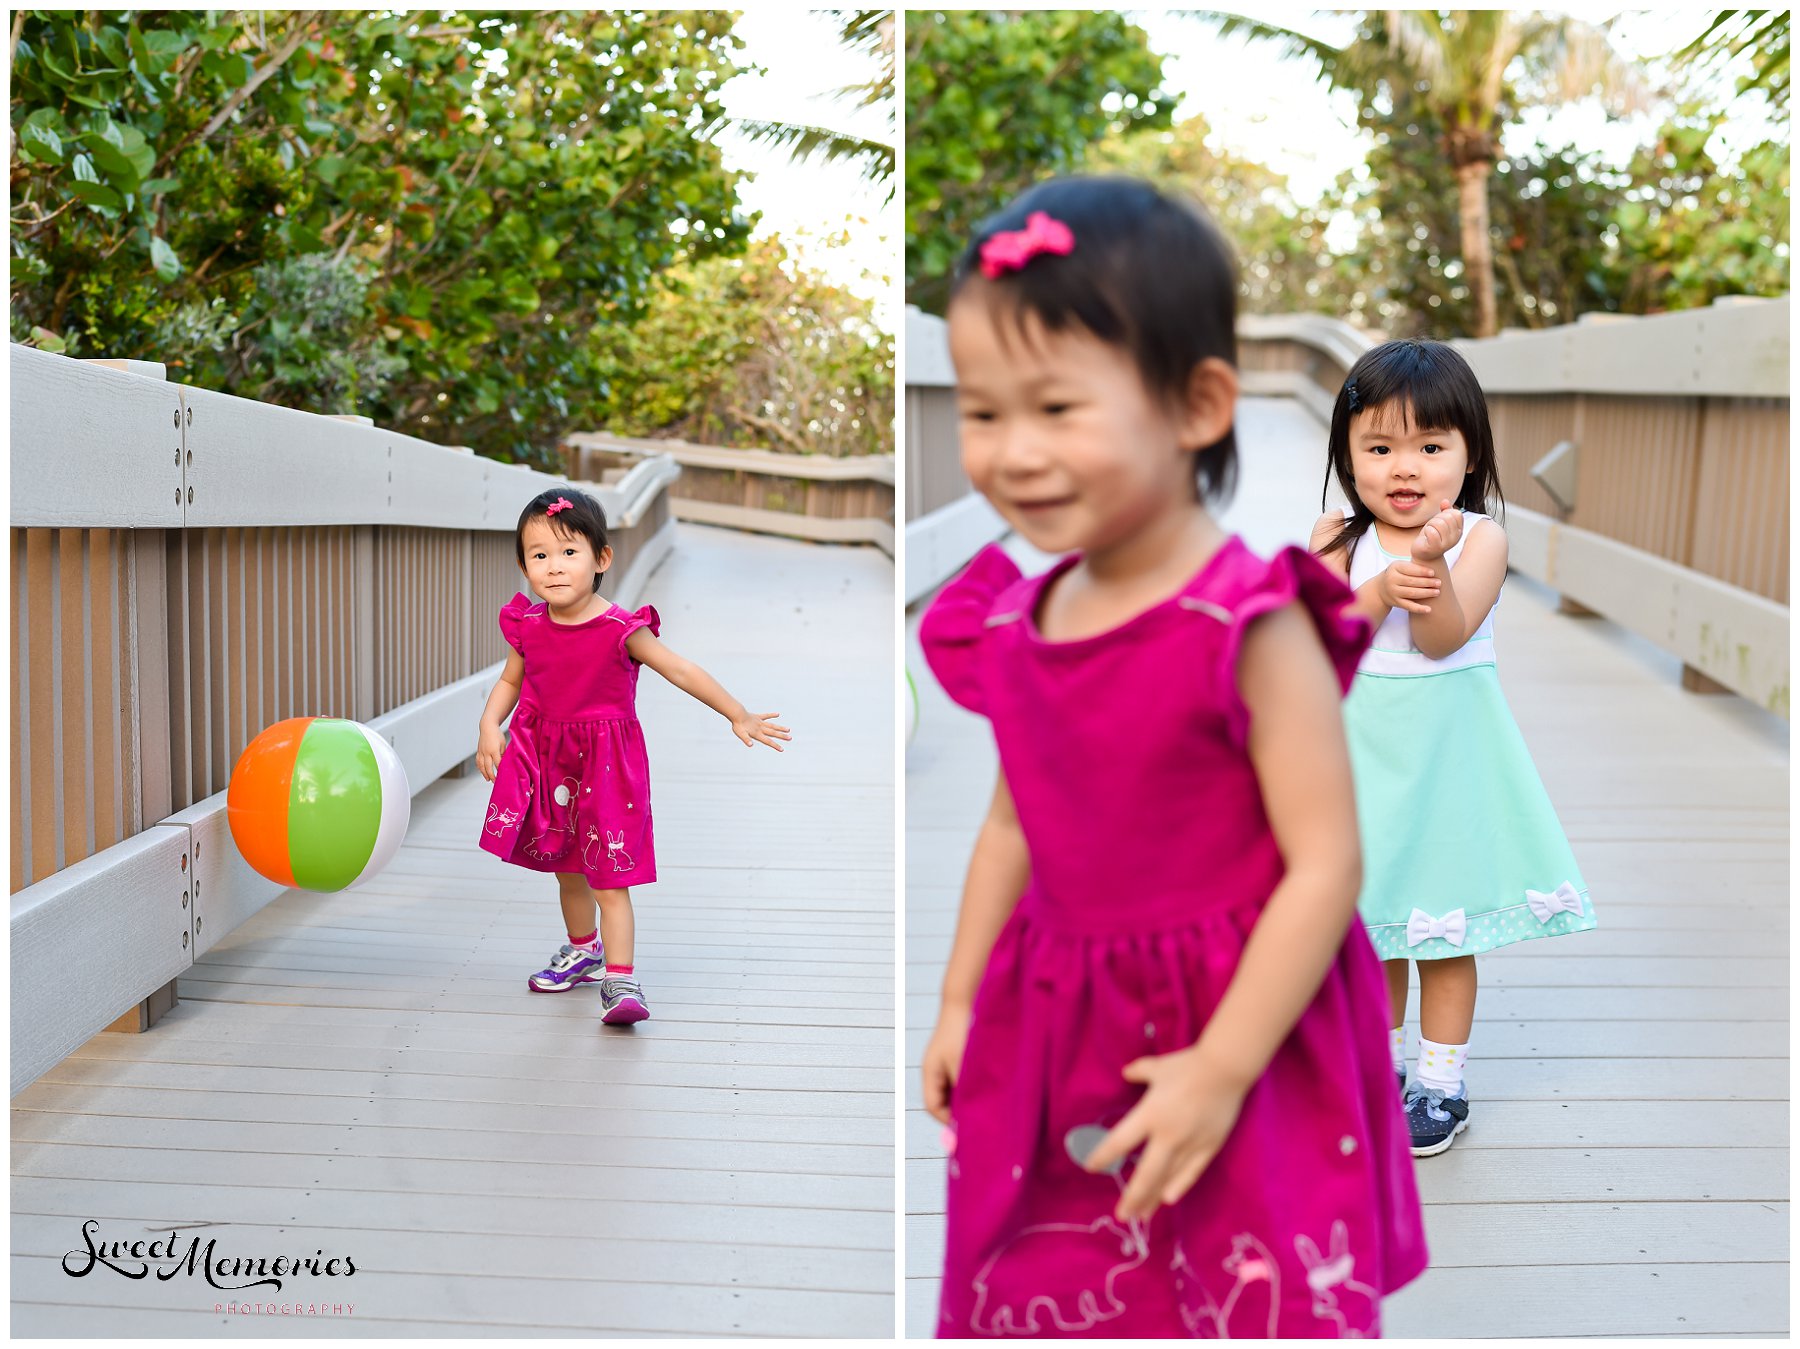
(572, 793)
(1151, 859)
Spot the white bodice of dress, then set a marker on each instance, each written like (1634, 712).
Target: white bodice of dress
(1393, 652)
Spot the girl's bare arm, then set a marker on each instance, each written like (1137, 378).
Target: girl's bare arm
(698, 684)
(999, 869)
(1465, 598)
(1302, 765)
(500, 704)
(998, 872)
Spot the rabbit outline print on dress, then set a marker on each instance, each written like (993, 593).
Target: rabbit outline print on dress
(1086, 1308)
(1250, 1263)
(615, 849)
(555, 840)
(499, 821)
(1337, 1296)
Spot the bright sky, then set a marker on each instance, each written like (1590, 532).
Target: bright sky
(1275, 110)
(807, 202)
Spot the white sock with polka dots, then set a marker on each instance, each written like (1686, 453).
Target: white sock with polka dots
(1441, 1066)
(1397, 1047)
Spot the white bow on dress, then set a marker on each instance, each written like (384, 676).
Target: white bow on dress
(1544, 907)
(1452, 927)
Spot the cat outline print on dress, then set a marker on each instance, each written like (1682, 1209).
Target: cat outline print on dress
(1102, 1235)
(1250, 1263)
(1330, 1277)
(564, 796)
(499, 821)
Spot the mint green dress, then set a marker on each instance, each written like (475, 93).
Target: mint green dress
(1462, 850)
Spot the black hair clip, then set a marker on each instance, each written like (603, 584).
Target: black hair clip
(1350, 396)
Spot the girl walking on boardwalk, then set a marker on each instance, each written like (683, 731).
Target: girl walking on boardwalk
(1462, 851)
(572, 784)
(1159, 1049)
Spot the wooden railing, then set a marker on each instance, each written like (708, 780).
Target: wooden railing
(1679, 525)
(805, 496)
(189, 567)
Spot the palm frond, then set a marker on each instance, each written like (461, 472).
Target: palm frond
(804, 142)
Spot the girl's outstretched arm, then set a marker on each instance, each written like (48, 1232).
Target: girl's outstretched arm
(491, 744)
(998, 872)
(751, 728)
(1465, 599)
(1303, 768)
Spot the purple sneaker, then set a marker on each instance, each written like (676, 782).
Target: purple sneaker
(622, 1001)
(568, 967)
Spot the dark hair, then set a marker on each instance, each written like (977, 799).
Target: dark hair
(1436, 391)
(581, 516)
(1148, 272)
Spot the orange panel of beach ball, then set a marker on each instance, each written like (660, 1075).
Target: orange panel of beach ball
(318, 802)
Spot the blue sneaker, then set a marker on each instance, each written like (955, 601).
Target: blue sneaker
(568, 967)
(1434, 1119)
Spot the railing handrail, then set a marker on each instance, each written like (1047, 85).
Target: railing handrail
(226, 460)
(820, 467)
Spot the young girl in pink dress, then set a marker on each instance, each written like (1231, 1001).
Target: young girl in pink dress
(1161, 1053)
(572, 784)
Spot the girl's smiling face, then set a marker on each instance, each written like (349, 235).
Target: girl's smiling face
(1404, 472)
(1061, 434)
(561, 565)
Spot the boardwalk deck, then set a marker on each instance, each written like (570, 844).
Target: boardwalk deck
(366, 1073)
(1626, 1170)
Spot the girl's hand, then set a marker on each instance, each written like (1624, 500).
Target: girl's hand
(943, 1061)
(1439, 535)
(1181, 1122)
(488, 751)
(1410, 585)
(751, 728)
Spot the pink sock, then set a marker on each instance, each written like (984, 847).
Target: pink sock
(586, 943)
(618, 971)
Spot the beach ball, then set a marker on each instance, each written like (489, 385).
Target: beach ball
(318, 802)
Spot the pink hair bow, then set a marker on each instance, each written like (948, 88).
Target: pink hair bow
(1010, 250)
(560, 504)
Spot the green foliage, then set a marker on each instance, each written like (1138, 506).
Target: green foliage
(1690, 232)
(484, 189)
(748, 351)
(996, 101)
(1279, 245)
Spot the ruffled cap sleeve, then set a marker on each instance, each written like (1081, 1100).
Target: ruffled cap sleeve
(954, 631)
(1292, 575)
(513, 622)
(647, 617)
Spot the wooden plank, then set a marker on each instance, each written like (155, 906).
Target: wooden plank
(411, 1062)
(391, 1112)
(568, 1178)
(1688, 1299)
(781, 1157)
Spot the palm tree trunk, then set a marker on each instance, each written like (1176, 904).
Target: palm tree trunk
(1477, 242)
